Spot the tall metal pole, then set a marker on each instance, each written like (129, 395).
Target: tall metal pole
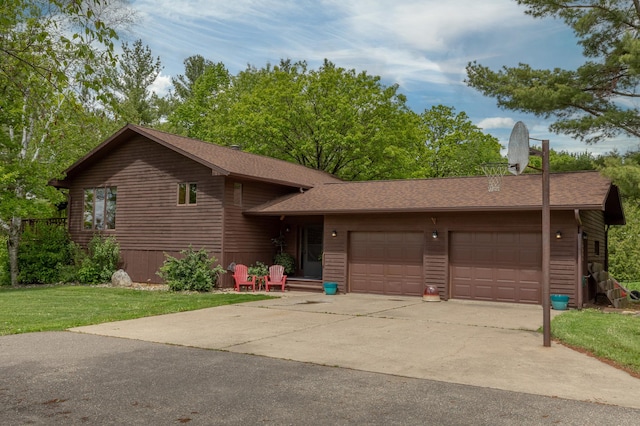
(546, 245)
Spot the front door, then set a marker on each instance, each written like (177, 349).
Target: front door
(311, 251)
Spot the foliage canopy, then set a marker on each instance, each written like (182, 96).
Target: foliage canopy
(344, 122)
(593, 102)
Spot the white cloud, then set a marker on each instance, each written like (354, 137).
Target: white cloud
(161, 85)
(496, 123)
(239, 10)
(432, 25)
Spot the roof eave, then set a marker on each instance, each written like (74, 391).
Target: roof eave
(613, 208)
(274, 181)
(454, 209)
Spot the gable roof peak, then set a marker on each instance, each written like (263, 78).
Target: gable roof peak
(220, 159)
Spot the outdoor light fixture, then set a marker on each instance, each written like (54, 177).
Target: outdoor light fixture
(434, 234)
(558, 235)
(334, 233)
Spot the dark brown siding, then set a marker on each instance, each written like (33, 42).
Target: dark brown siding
(593, 225)
(564, 274)
(148, 219)
(247, 239)
(149, 222)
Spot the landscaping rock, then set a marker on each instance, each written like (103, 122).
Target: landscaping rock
(121, 279)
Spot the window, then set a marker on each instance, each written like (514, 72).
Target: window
(596, 248)
(237, 194)
(187, 193)
(100, 208)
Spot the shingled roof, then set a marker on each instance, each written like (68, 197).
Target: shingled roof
(579, 190)
(221, 160)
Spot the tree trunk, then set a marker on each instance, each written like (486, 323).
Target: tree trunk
(12, 244)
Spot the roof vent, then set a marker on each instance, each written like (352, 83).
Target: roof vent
(236, 147)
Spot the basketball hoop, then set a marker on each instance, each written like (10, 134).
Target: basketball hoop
(494, 173)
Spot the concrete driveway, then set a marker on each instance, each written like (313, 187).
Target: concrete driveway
(492, 345)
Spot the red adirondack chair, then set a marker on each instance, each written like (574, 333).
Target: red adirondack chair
(241, 278)
(276, 277)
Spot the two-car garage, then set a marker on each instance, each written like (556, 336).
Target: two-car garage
(491, 266)
(395, 237)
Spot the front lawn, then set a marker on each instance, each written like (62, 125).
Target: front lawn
(610, 336)
(24, 310)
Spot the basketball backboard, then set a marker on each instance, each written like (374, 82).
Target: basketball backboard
(518, 149)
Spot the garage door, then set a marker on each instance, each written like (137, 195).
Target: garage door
(386, 262)
(497, 266)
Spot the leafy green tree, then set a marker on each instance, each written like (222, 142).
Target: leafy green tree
(624, 241)
(137, 71)
(330, 119)
(624, 171)
(194, 67)
(593, 102)
(453, 145)
(624, 249)
(50, 52)
(564, 161)
(197, 99)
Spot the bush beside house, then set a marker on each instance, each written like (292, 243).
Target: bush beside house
(192, 272)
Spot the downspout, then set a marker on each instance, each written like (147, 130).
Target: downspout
(580, 276)
(606, 248)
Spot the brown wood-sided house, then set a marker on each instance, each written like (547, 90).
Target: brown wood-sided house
(159, 193)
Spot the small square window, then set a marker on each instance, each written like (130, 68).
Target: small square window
(187, 193)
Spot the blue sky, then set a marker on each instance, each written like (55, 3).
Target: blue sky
(422, 45)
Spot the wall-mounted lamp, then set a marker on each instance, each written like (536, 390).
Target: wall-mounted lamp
(434, 234)
(287, 228)
(558, 235)
(334, 233)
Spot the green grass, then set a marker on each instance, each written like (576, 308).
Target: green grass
(611, 336)
(25, 310)
(632, 285)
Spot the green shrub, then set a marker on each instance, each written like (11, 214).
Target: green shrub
(101, 260)
(192, 272)
(45, 250)
(286, 260)
(259, 269)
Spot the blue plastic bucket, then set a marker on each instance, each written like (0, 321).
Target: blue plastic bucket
(330, 288)
(559, 302)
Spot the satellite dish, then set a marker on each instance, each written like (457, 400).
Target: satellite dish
(518, 150)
